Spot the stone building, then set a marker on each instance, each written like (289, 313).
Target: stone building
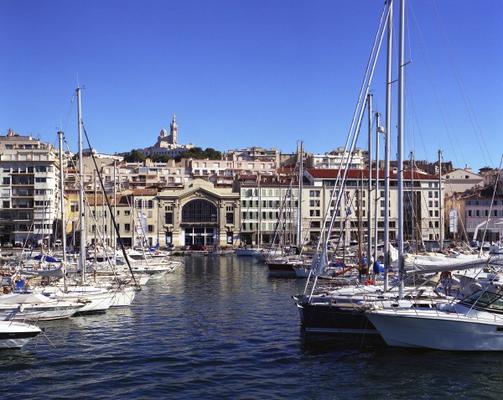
(200, 214)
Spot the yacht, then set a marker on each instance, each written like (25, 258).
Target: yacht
(36, 307)
(473, 324)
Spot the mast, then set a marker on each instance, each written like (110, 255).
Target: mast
(412, 202)
(62, 205)
(376, 197)
(387, 140)
(299, 196)
(440, 225)
(401, 126)
(259, 228)
(95, 210)
(112, 231)
(82, 258)
(369, 182)
(359, 197)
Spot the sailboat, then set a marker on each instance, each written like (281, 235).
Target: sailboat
(284, 265)
(95, 299)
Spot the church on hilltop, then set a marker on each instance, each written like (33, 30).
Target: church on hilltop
(167, 144)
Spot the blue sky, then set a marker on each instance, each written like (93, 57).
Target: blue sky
(241, 73)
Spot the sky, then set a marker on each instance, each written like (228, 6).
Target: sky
(241, 73)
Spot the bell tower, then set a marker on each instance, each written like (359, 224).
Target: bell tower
(173, 128)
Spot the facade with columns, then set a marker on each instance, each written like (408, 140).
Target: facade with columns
(200, 214)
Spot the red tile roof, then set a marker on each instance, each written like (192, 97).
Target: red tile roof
(322, 173)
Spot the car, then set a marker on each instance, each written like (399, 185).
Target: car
(7, 245)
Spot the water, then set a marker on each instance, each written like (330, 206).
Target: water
(220, 329)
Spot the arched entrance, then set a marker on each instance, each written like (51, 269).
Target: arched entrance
(200, 223)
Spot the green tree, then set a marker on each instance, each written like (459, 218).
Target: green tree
(134, 156)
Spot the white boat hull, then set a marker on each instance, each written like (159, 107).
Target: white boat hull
(123, 297)
(440, 331)
(14, 335)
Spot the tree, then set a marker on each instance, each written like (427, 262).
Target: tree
(134, 156)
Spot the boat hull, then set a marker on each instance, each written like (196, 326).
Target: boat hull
(15, 335)
(281, 270)
(335, 320)
(437, 331)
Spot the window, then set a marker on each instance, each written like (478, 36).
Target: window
(197, 211)
(127, 212)
(127, 227)
(6, 181)
(151, 228)
(168, 218)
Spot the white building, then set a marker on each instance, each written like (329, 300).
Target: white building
(28, 189)
(337, 158)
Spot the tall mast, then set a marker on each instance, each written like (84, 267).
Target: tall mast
(95, 220)
(82, 258)
(369, 182)
(412, 202)
(387, 140)
(112, 231)
(440, 225)
(259, 228)
(62, 205)
(401, 127)
(376, 197)
(299, 196)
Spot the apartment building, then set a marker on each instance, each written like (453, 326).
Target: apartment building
(28, 189)
(422, 205)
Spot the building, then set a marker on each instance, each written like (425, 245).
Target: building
(137, 215)
(338, 158)
(460, 180)
(422, 216)
(28, 189)
(167, 144)
(200, 214)
(269, 210)
(255, 153)
(481, 215)
(223, 172)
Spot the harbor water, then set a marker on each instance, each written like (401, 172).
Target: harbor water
(219, 328)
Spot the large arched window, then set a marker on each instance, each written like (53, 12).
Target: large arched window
(199, 211)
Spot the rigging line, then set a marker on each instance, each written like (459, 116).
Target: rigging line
(492, 203)
(410, 104)
(109, 206)
(429, 73)
(457, 76)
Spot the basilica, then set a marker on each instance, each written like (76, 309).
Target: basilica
(167, 144)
